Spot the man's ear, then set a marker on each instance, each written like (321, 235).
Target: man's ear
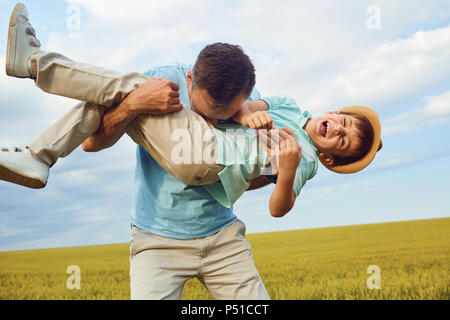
(326, 158)
(189, 78)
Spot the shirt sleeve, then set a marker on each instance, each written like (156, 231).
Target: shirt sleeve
(255, 95)
(284, 103)
(172, 73)
(305, 171)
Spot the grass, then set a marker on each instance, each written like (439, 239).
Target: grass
(327, 263)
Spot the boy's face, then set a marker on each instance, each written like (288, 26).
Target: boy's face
(334, 134)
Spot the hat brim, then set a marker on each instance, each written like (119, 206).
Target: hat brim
(360, 164)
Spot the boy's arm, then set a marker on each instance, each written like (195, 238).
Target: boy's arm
(156, 96)
(253, 115)
(283, 196)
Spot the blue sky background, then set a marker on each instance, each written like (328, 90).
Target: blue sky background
(321, 53)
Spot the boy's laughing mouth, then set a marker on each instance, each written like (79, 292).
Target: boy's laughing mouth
(323, 129)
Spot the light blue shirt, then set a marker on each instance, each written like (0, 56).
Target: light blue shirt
(245, 160)
(163, 204)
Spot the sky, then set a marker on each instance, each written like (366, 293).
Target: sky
(393, 56)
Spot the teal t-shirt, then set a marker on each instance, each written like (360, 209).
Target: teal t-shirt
(238, 150)
(163, 204)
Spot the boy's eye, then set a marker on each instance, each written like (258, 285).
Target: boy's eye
(344, 122)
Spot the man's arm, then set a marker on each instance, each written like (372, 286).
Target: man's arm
(259, 182)
(111, 129)
(156, 96)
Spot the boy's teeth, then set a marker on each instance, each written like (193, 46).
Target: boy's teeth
(323, 129)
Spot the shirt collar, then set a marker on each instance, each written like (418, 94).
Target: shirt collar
(305, 116)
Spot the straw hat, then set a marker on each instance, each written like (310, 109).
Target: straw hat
(376, 144)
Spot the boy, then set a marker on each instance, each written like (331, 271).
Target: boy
(344, 142)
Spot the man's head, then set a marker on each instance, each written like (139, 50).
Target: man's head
(223, 77)
(346, 140)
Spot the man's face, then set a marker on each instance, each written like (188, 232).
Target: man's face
(334, 134)
(204, 105)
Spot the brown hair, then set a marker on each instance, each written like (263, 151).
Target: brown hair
(365, 134)
(225, 71)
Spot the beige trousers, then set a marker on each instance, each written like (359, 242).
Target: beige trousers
(99, 89)
(223, 262)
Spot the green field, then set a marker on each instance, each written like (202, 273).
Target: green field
(328, 263)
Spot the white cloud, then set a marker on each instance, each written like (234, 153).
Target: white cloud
(436, 110)
(115, 35)
(25, 110)
(75, 236)
(322, 55)
(94, 215)
(253, 204)
(407, 157)
(397, 71)
(6, 231)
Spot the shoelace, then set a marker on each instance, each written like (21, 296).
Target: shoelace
(30, 30)
(15, 149)
(33, 40)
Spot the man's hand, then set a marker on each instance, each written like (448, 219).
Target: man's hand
(156, 96)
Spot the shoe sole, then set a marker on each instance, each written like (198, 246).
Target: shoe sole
(12, 33)
(11, 176)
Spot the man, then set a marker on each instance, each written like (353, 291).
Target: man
(179, 231)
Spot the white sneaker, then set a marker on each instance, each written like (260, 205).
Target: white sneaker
(17, 165)
(22, 43)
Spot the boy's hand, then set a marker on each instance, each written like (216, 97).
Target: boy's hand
(156, 96)
(289, 156)
(277, 140)
(258, 120)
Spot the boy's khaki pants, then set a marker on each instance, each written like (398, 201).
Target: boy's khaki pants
(99, 89)
(223, 262)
